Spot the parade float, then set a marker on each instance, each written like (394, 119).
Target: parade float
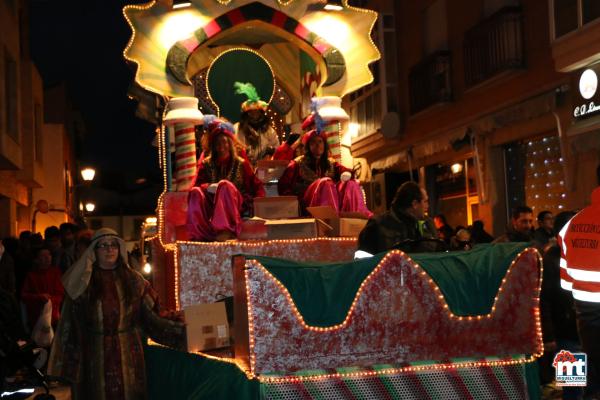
(307, 321)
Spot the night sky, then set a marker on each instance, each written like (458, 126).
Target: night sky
(80, 43)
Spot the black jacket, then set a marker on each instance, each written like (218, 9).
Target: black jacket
(556, 304)
(384, 232)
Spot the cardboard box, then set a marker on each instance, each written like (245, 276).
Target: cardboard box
(175, 208)
(207, 326)
(270, 170)
(253, 229)
(346, 224)
(271, 190)
(300, 228)
(276, 207)
(351, 226)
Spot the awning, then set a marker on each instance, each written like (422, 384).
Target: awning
(423, 149)
(390, 161)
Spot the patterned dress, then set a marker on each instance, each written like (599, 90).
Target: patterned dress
(98, 346)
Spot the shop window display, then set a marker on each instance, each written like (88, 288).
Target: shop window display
(534, 174)
(454, 190)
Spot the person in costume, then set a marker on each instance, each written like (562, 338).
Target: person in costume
(224, 189)
(287, 150)
(98, 345)
(293, 146)
(254, 130)
(318, 180)
(203, 138)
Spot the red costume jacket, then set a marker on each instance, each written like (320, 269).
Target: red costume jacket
(239, 172)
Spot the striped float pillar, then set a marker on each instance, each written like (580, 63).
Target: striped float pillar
(332, 114)
(185, 156)
(182, 117)
(331, 130)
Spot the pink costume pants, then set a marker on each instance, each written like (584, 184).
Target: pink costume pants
(345, 197)
(210, 214)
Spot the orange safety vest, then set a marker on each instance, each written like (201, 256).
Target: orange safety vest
(579, 242)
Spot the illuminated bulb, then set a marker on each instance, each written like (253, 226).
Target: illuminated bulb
(178, 4)
(147, 268)
(90, 207)
(88, 174)
(334, 5)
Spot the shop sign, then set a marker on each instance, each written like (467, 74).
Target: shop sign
(586, 101)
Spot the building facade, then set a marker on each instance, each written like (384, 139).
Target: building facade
(485, 109)
(30, 168)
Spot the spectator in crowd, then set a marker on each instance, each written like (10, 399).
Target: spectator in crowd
(11, 331)
(42, 284)
(68, 233)
(461, 241)
(444, 231)
(478, 233)
(7, 272)
(545, 231)
(406, 220)
(24, 257)
(559, 325)
(580, 274)
(52, 242)
(521, 225)
(84, 238)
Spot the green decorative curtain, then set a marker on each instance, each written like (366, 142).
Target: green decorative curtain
(242, 66)
(172, 374)
(323, 293)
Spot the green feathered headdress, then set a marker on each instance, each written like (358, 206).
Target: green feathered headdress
(254, 102)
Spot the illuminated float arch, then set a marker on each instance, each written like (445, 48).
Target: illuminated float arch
(166, 42)
(259, 16)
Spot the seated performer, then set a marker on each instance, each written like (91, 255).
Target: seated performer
(318, 180)
(224, 189)
(254, 130)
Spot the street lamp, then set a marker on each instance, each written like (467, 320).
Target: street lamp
(456, 168)
(90, 207)
(88, 174)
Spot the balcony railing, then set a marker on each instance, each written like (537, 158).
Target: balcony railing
(493, 46)
(430, 82)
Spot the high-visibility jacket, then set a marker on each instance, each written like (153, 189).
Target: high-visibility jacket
(579, 242)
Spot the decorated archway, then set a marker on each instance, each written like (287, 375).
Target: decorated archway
(257, 15)
(170, 46)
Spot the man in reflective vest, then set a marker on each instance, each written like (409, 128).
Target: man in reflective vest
(579, 241)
